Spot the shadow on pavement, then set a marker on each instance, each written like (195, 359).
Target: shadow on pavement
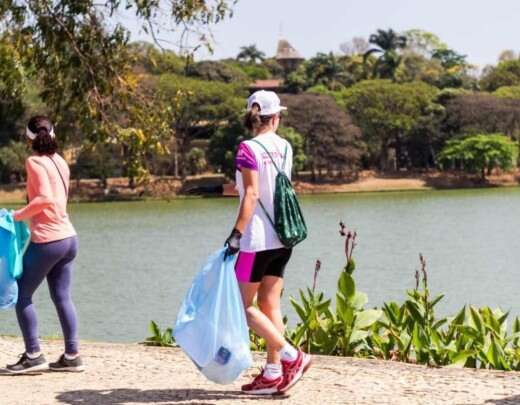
(127, 396)
(513, 400)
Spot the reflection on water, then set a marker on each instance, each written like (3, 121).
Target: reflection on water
(137, 259)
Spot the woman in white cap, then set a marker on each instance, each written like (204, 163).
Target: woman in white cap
(262, 257)
(51, 253)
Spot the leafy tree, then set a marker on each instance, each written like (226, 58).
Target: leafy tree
(415, 67)
(12, 88)
(297, 81)
(481, 113)
(356, 68)
(297, 142)
(508, 54)
(96, 161)
(250, 71)
(456, 69)
(325, 69)
(387, 43)
(250, 54)
(388, 113)
(197, 108)
(449, 58)
(274, 67)
(224, 145)
(423, 42)
(196, 160)
(508, 92)
(157, 61)
(332, 142)
(84, 65)
(12, 162)
(256, 72)
(214, 70)
(481, 153)
(506, 73)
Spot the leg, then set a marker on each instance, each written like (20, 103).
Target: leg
(59, 280)
(269, 295)
(37, 262)
(257, 321)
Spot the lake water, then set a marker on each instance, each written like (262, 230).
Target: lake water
(137, 259)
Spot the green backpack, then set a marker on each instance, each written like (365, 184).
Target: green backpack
(288, 222)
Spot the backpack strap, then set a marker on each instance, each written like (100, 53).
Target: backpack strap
(271, 156)
(279, 172)
(267, 214)
(61, 177)
(285, 157)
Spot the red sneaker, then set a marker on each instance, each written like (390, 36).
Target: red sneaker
(262, 386)
(294, 370)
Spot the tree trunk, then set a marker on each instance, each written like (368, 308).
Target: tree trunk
(397, 143)
(176, 161)
(383, 157)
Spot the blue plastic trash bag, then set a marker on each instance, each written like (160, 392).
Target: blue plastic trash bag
(211, 324)
(13, 240)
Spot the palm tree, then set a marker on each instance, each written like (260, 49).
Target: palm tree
(387, 45)
(326, 69)
(250, 54)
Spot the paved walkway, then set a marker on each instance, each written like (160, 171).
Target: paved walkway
(120, 374)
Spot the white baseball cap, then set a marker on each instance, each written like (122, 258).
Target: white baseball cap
(268, 101)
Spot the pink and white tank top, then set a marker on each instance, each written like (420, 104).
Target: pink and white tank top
(259, 234)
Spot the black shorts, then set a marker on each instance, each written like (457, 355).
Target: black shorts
(251, 267)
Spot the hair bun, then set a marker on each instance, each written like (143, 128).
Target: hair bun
(42, 131)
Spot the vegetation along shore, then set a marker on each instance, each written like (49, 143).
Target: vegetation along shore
(402, 102)
(166, 188)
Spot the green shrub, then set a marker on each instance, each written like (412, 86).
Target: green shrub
(197, 160)
(508, 92)
(480, 153)
(158, 337)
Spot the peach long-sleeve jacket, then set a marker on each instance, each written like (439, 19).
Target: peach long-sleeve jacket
(47, 207)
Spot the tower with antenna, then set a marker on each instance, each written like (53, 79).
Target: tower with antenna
(286, 55)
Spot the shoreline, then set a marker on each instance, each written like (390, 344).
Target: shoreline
(214, 185)
(118, 373)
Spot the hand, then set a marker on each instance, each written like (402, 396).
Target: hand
(233, 243)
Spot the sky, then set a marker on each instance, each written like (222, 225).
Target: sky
(480, 29)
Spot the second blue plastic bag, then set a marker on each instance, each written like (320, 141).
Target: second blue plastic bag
(13, 240)
(211, 324)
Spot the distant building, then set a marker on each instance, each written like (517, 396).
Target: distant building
(271, 84)
(289, 59)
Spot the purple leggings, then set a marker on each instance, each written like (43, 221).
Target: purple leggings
(53, 261)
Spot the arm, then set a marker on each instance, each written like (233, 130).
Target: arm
(43, 199)
(247, 208)
(247, 164)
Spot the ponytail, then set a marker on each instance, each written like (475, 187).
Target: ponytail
(254, 121)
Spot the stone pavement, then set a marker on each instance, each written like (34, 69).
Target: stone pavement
(131, 374)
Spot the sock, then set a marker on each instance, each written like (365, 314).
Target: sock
(34, 355)
(288, 353)
(272, 371)
(71, 356)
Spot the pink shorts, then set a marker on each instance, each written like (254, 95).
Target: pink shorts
(251, 267)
